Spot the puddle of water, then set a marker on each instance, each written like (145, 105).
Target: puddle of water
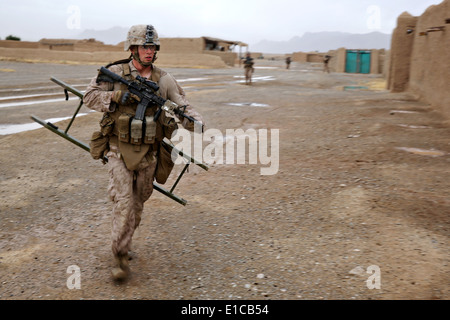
(266, 67)
(192, 79)
(39, 88)
(413, 127)
(30, 96)
(248, 104)
(26, 103)
(16, 128)
(402, 111)
(255, 79)
(423, 152)
(355, 88)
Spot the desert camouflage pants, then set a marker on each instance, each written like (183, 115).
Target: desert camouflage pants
(248, 75)
(128, 190)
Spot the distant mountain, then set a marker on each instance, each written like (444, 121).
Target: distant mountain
(310, 41)
(325, 41)
(112, 36)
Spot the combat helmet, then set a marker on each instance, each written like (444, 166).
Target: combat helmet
(142, 35)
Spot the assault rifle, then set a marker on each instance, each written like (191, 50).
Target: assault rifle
(65, 133)
(145, 90)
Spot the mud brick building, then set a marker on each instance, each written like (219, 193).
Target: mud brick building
(420, 56)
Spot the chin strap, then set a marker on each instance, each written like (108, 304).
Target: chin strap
(138, 59)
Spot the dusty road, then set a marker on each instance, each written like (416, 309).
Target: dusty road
(349, 202)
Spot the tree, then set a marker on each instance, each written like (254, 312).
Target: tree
(11, 37)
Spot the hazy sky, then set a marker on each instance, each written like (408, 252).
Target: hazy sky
(242, 20)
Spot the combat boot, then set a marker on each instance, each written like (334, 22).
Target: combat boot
(122, 271)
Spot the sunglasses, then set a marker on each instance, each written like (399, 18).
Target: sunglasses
(148, 47)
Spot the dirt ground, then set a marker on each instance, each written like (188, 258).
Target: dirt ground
(346, 201)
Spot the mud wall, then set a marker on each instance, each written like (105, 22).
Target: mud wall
(175, 52)
(401, 48)
(420, 56)
(188, 60)
(299, 56)
(430, 58)
(89, 45)
(196, 46)
(315, 57)
(307, 57)
(177, 45)
(228, 57)
(337, 61)
(18, 44)
(46, 55)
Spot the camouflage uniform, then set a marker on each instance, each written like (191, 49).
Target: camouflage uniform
(326, 60)
(288, 62)
(129, 189)
(248, 66)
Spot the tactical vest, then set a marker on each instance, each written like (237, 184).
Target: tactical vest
(134, 138)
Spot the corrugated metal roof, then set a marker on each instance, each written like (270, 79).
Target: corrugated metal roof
(224, 41)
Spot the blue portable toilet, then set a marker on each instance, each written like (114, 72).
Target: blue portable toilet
(357, 61)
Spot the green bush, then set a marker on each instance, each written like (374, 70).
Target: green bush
(11, 37)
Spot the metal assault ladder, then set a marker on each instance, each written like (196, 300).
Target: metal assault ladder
(64, 133)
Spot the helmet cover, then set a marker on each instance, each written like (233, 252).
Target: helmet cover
(141, 35)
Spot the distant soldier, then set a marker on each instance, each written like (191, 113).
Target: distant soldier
(288, 62)
(326, 59)
(248, 67)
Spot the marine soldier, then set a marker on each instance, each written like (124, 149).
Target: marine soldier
(288, 62)
(326, 60)
(248, 67)
(133, 162)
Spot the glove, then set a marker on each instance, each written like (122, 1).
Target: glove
(124, 97)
